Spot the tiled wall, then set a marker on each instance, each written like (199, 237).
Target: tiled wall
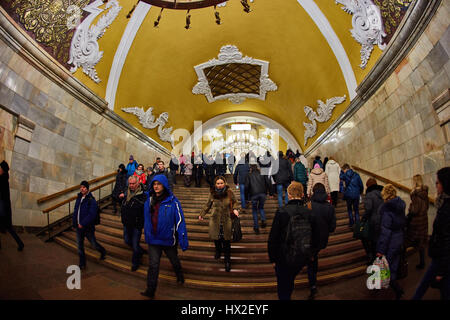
(396, 133)
(70, 142)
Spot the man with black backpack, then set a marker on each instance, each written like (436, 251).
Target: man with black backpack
(85, 217)
(289, 244)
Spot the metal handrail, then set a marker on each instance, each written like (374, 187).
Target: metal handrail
(60, 193)
(395, 184)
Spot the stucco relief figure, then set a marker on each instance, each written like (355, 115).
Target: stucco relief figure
(147, 120)
(323, 114)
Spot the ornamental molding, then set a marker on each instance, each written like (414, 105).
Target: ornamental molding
(324, 112)
(367, 26)
(84, 49)
(224, 4)
(230, 54)
(147, 120)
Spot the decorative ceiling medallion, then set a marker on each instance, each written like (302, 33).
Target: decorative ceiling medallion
(323, 114)
(233, 77)
(367, 26)
(84, 50)
(147, 120)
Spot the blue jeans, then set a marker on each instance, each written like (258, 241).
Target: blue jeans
(280, 189)
(230, 167)
(132, 237)
(89, 233)
(258, 205)
(353, 204)
(428, 278)
(242, 191)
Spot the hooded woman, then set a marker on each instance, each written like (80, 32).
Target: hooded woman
(317, 176)
(120, 185)
(221, 203)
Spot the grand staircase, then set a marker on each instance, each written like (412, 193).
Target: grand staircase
(250, 268)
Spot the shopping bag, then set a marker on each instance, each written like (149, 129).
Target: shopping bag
(385, 273)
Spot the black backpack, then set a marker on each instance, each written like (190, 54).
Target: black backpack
(297, 244)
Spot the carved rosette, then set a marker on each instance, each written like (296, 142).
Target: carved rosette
(84, 50)
(367, 26)
(323, 114)
(147, 120)
(230, 54)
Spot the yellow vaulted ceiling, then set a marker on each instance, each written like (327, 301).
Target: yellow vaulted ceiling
(159, 69)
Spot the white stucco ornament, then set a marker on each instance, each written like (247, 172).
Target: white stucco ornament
(324, 112)
(367, 26)
(147, 120)
(230, 54)
(84, 49)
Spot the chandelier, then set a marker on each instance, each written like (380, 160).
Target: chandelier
(189, 5)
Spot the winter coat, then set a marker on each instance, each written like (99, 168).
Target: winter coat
(142, 178)
(417, 233)
(231, 159)
(5, 202)
(300, 174)
(197, 171)
(304, 161)
(278, 231)
(284, 175)
(149, 180)
(353, 184)
(324, 220)
(390, 242)
(88, 211)
(132, 212)
(439, 246)
(188, 169)
(333, 171)
(372, 203)
(220, 207)
(173, 164)
(241, 172)
(171, 221)
(255, 184)
(317, 176)
(131, 168)
(182, 159)
(121, 184)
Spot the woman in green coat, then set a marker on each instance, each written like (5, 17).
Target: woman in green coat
(221, 203)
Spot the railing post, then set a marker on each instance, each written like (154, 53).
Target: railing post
(69, 210)
(48, 225)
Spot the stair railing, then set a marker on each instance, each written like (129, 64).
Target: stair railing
(63, 221)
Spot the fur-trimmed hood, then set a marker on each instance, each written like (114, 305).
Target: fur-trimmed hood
(220, 195)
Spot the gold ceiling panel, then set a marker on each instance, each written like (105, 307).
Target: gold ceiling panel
(233, 78)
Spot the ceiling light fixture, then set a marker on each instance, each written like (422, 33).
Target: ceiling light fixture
(188, 5)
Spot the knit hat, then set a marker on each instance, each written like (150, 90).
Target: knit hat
(85, 183)
(316, 166)
(131, 157)
(4, 166)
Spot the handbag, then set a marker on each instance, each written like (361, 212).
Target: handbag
(402, 271)
(236, 231)
(361, 230)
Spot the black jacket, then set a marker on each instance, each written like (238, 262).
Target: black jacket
(133, 211)
(372, 204)
(284, 175)
(439, 247)
(121, 184)
(255, 184)
(279, 228)
(5, 199)
(173, 164)
(324, 220)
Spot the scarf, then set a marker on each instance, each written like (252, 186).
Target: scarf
(139, 172)
(441, 199)
(131, 194)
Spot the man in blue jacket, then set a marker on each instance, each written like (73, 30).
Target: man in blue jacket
(131, 166)
(83, 220)
(164, 229)
(353, 190)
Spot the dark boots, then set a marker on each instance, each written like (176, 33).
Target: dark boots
(227, 255)
(218, 245)
(421, 264)
(397, 289)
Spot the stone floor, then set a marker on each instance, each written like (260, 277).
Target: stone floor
(39, 272)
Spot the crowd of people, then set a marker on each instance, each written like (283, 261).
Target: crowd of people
(305, 218)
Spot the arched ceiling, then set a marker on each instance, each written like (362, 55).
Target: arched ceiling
(159, 67)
